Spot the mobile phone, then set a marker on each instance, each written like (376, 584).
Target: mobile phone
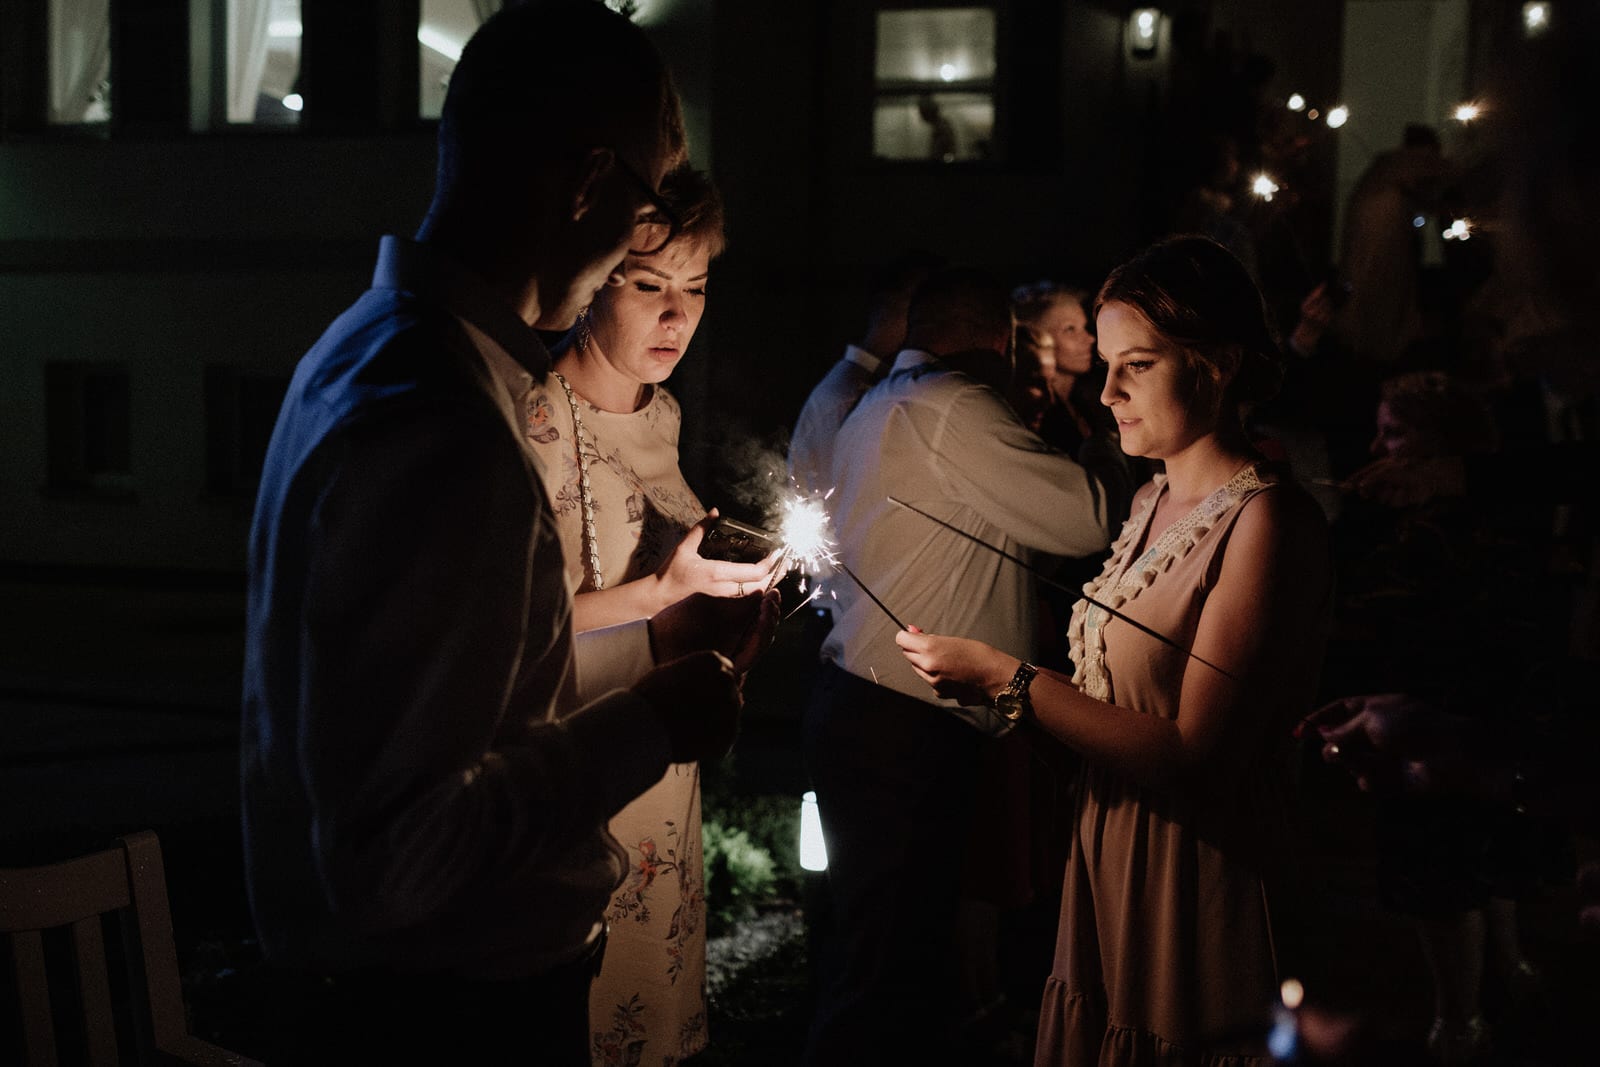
(737, 542)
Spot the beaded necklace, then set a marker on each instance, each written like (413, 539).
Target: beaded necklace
(591, 543)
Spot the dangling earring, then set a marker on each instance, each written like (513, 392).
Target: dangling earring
(580, 339)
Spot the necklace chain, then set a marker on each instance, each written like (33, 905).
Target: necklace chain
(591, 544)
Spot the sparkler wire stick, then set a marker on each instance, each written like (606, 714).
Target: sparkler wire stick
(1031, 569)
(874, 597)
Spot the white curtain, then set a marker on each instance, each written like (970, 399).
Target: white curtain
(247, 55)
(80, 58)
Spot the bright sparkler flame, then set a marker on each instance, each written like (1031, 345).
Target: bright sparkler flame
(804, 532)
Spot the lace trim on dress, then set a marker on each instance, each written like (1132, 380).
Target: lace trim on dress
(1120, 581)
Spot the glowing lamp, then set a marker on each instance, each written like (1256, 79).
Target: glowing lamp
(1264, 187)
(1338, 116)
(1296, 102)
(813, 850)
(1143, 26)
(1535, 19)
(1465, 113)
(294, 102)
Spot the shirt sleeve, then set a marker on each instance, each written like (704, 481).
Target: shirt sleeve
(1039, 496)
(611, 658)
(428, 751)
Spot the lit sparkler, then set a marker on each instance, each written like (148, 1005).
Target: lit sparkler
(803, 530)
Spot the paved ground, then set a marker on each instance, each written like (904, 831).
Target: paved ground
(117, 713)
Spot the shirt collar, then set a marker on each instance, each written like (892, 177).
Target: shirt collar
(867, 361)
(420, 268)
(914, 361)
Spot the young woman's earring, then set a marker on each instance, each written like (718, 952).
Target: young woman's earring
(581, 339)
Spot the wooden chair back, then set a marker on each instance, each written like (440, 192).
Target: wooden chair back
(129, 882)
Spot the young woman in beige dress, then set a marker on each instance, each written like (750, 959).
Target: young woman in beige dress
(1165, 952)
(606, 430)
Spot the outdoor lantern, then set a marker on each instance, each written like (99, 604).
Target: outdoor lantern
(1143, 26)
(813, 851)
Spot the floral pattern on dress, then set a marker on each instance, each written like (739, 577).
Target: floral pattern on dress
(541, 421)
(623, 1044)
(633, 900)
(647, 1005)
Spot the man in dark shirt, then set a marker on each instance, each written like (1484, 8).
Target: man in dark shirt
(429, 759)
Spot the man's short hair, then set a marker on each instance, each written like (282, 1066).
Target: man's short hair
(961, 302)
(546, 80)
(894, 281)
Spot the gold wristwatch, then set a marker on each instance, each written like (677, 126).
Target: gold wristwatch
(1012, 702)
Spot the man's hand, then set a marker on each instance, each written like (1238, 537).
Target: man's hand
(740, 628)
(1399, 482)
(699, 699)
(1392, 741)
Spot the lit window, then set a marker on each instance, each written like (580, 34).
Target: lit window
(935, 76)
(80, 61)
(264, 62)
(442, 32)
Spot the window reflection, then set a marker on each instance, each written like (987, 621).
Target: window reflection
(80, 61)
(264, 62)
(935, 71)
(442, 32)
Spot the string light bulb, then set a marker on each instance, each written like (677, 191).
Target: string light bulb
(1465, 113)
(1264, 187)
(1296, 102)
(1535, 19)
(1338, 117)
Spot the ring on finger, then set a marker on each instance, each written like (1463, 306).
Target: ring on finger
(741, 588)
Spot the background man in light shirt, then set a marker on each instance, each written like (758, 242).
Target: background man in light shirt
(859, 369)
(893, 766)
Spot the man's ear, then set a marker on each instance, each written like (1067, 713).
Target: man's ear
(590, 170)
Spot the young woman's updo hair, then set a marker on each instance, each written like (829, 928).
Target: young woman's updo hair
(1030, 302)
(693, 197)
(1198, 296)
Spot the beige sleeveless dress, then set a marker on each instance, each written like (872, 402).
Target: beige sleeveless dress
(1164, 952)
(648, 1004)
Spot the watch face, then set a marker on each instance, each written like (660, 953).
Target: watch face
(1009, 705)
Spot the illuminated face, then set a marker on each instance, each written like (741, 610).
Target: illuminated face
(641, 327)
(1396, 437)
(1069, 326)
(1145, 378)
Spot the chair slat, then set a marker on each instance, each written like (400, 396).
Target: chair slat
(33, 996)
(163, 990)
(99, 1026)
